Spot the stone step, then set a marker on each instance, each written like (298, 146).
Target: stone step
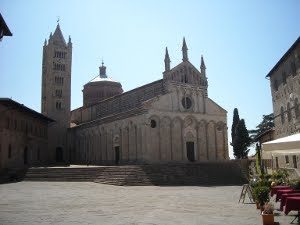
(222, 173)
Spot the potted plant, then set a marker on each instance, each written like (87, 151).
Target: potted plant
(255, 196)
(262, 194)
(268, 215)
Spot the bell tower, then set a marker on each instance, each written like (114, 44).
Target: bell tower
(56, 92)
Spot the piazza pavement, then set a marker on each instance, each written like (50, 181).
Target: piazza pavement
(93, 203)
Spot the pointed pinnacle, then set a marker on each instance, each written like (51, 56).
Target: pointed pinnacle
(167, 53)
(202, 62)
(184, 46)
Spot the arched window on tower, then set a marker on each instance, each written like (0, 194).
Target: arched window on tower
(58, 105)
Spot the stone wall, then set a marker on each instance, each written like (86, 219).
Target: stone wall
(22, 136)
(288, 160)
(140, 141)
(285, 88)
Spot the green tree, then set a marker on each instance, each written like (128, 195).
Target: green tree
(266, 124)
(235, 121)
(241, 141)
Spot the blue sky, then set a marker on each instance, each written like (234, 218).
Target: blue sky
(240, 41)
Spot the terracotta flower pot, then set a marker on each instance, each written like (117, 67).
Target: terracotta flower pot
(268, 219)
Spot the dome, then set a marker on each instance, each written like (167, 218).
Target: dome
(99, 88)
(100, 79)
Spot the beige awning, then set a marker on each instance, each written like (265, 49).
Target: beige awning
(286, 145)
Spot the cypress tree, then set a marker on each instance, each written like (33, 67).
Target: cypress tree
(241, 141)
(235, 121)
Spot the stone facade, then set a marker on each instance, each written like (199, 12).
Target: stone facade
(23, 136)
(56, 92)
(285, 89)
(168, 120)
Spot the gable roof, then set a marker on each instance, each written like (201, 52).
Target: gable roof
(13, 105)
(284, 57)
(184, 63)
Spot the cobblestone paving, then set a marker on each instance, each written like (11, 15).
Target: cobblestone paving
(90, 203)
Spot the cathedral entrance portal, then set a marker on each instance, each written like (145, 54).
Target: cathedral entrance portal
(190, 151)
(117, 155)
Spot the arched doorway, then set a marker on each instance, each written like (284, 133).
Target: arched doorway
(59, 154)
(190, 151)
(25, 156)
(190, 142)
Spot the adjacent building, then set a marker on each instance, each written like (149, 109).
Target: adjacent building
(23, 136)
(285, 88)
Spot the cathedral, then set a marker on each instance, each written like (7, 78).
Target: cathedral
(168, 120)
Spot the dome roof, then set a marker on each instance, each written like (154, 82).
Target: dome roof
(102, 76)
(101, 79)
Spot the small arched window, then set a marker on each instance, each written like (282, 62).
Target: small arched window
(289, 114)
(153, 123)
(282, 114)
(186, 102)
